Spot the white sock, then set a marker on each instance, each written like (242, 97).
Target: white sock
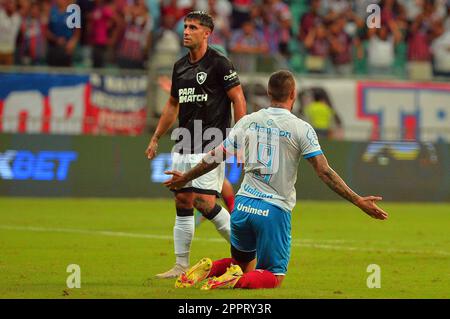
(222, 223)
(183, 232)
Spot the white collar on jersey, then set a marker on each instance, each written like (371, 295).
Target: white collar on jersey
(277, 109)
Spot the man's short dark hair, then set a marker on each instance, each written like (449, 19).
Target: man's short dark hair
(281, 84)
(204, 18)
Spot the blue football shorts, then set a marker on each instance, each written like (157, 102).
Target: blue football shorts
(256, 225)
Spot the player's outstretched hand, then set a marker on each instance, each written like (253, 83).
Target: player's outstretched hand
(369, 206)
(151, 149)
(176, 182)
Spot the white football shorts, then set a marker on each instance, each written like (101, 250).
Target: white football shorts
(210, 183)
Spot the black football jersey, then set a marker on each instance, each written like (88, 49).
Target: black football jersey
(201, 90)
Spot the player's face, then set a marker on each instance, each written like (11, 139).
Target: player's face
(194, 34)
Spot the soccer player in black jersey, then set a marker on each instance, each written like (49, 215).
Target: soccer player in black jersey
(204, 86)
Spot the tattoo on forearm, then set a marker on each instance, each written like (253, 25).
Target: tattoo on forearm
(335, 182)
(208, 163)
(200, 169)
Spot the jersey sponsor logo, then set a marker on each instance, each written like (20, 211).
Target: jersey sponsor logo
(201, 77)
(231, 76)
(255, 192)
(269, 131)
(187, 95)
(252, 210)
(41, 166)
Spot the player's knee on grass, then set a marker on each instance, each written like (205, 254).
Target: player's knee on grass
(246, 260)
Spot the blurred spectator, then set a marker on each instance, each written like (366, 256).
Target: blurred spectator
(61, 39)
(381, 47)
(355, 26)
(167, 45)
(318, 110)
(447, 18)
(154, 8)
(440, 48)
(23, 7)
(246, 44)
(441, 8)
(135, 44)
(310, 19)
(32, 44)
(263, 23)
(220, 10)
(335, 8)
(86, 7)
(317, 45)
(10, 21)
(174, 9)
(241, 10)
(166, 50)
(421, 33)
(392, 10)
(412, 8)
(278, 15)
(330, 32)
(103, 26)
(272, 30)
(341, 45)
(119, 5)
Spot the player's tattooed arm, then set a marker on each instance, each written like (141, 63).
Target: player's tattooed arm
(337, 184)
(332, 179)
(208, 163)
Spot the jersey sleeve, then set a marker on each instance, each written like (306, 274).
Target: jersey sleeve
(235, 139)
(174, 88)
(308, 141)
(227, 74)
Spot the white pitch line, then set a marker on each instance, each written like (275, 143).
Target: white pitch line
(136, 235)
(309, 243)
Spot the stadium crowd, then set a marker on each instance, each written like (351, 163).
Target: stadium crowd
(316, 36)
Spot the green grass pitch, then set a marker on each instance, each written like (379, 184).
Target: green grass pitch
(119, 243)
